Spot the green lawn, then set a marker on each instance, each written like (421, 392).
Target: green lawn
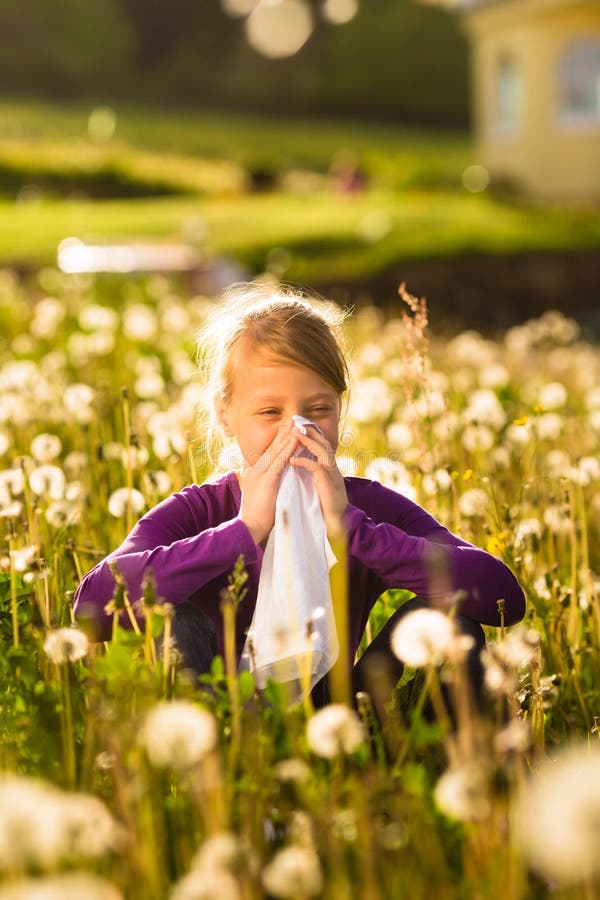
(164, 173)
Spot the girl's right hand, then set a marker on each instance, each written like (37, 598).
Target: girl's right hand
(260, 483)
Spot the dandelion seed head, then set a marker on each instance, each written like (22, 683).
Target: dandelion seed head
(45, 447)
(552, 395)
(65, 645)
(139, 322)
(23, 558)
(47, 480)
(67, 886)
(334, 730)
(178, 735)
(424, 637)
(119, 500)
(462, 793)
(294, 872)
(473, 503)
(293, 769)
(556, 816)
(206, 884)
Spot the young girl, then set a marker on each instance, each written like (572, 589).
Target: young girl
(272, 354)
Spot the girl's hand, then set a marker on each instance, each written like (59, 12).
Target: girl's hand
(328, 478)
(260, 483)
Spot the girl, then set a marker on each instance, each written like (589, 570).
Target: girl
(271, 354)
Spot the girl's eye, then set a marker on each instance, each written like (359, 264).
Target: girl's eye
(319, 410)
(269, 412)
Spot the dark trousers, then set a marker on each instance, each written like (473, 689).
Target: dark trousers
(377, 672)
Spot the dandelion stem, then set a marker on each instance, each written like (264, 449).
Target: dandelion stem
(14, 609)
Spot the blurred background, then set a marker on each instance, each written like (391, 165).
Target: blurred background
(342, 144)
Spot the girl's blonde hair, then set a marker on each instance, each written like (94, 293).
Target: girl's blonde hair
(302, 329)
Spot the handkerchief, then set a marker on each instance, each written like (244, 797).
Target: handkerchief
(292, 637)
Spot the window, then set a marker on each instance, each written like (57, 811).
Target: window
(509, 97)
(578, 77)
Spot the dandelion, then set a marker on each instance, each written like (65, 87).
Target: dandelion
(220, 851)
(587, 470)
(12, 510)
(473, 503)
(68, 886)
(95, 317)
(24, 558)
(552, 395)
(558, 463)
(139, 322)
(494, 375)
(61, 514)
(47, 481)
(78, 400)
(424, 637)
(557, 519)
(178, 735)
(391, 474)
(293, 769)
(556, 816)
(478, 438)
(399, 436)
(65, 645)
(41, 826)
(207, 884)
(526, 530)
(156, 482)
(12, 484)
(462, 793)
(334, 730)
(45, 447)
(549, 426)
(514, 738)
(293, 872)
(485, 409)
(518, 434)
(121, 498)
(371, 402)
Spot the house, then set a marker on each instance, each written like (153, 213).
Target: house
(536, 93)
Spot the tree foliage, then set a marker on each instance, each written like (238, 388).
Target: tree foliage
(396, 60)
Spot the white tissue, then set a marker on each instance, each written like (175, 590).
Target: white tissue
(292, 637)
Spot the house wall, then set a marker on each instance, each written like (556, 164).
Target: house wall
(544, 155)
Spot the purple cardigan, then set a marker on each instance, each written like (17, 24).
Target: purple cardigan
(192, 539)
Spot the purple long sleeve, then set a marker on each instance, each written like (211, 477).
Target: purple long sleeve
(191, 541)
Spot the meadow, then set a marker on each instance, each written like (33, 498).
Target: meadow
(313, 201)
(121, 777)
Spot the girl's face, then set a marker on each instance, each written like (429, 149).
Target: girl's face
(268, 390)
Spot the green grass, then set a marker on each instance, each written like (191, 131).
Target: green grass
(163, 171)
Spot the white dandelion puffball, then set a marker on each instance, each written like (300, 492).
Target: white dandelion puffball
(473, 503)
(552, 395)
(119, 499)
(424, 637)
(47, 481)
(45, 447)
(68, 886)
(293, 872)
(206, 884)
(65, 645)
(178, 735)
(334, 730)
(40, 825)
(462, 794)
(556, 816)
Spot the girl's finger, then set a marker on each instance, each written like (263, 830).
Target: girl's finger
(322, 449)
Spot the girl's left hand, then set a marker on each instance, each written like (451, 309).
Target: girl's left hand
(328, 478)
